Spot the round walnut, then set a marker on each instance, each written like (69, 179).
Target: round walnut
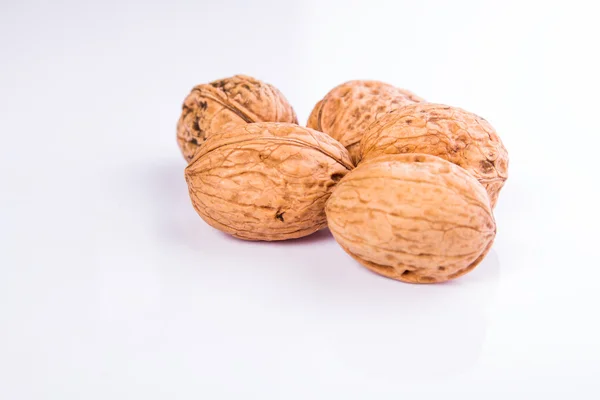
(448, 132)
(412, 217)
(266, 181)
(225, 103)
(348, 110)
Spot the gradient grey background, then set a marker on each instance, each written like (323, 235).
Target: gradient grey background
(111, 287)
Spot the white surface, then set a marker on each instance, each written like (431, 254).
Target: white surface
(111, 287)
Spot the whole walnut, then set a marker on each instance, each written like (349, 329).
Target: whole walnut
(348, 110)
(266, 181)
(451, 133)
(412, 217)
(225, 103)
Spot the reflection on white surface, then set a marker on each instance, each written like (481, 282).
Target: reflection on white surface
(416, 334)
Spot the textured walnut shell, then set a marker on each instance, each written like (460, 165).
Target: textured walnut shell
(451, 133)
(348, 110)
(412, 217)
(266, 181)
(222, 104)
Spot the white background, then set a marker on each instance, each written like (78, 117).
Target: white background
(111, 287)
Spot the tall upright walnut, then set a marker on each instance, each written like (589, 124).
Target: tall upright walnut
(412, 217)
(348, 110)
(266, 181)
(448, 132)
(228, 102)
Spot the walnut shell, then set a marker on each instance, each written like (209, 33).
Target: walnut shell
(266, 181)
(224, 103)
(348, 110)
(451, 133)
(412, 217)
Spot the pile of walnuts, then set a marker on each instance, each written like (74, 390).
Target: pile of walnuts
(407, 187)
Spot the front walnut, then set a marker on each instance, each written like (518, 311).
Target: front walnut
(266, 181)
(412, 217)
(225, 103)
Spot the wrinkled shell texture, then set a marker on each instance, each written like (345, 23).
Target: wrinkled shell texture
(350, 108)
(225, 103)
(412, 217)
(451, 133)
(266, 181)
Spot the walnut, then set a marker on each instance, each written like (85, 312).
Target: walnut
(348, 110)
(412, 217)
(266, 181)
(224, 103)
(448, 132)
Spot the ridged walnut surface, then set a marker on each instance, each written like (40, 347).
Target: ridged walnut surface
(413, 217)
(451, 133)
(348, 110)
(266, 181)
(222, 104)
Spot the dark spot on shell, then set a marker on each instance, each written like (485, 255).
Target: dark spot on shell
(486, 166)
(203, 105)
(218, 84)
(409, 121)
(336, 177)
(408, 275)
(441, 268)
(193, 141)
(279, 215)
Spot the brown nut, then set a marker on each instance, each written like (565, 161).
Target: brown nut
(451, 133)
(348, 110)
(266, 181)
(222, 104)
(412, 217)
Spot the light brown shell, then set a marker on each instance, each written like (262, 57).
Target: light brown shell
(225, 103)
(266, 181)
(348, 110)
(451, 133)
(412, 217)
